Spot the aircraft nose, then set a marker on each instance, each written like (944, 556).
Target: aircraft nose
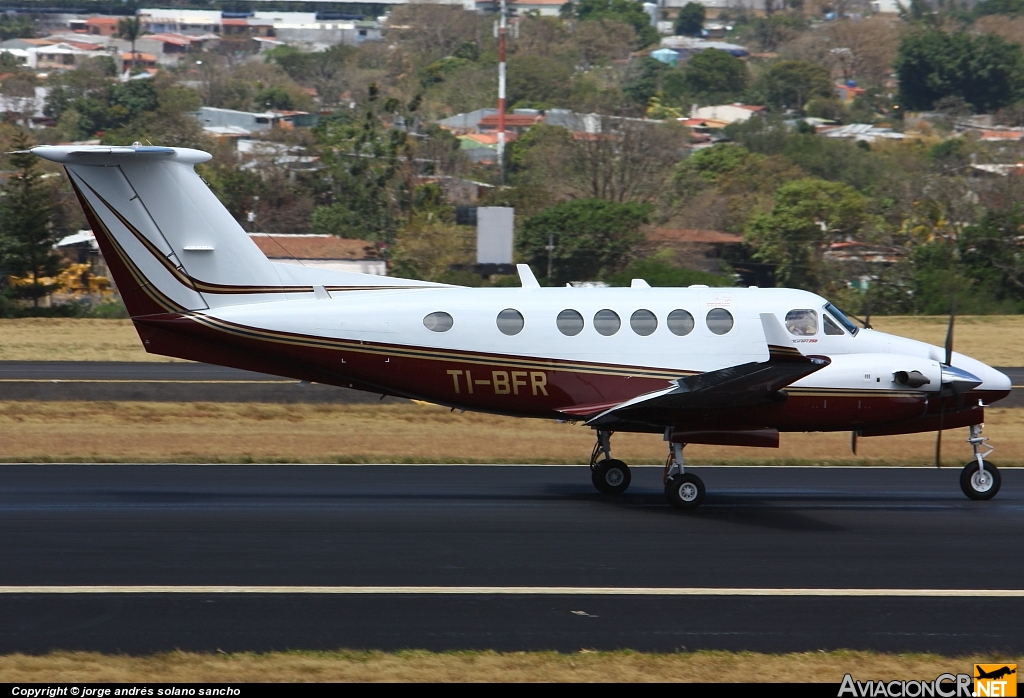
(992, 380)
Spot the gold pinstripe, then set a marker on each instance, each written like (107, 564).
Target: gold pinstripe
(360, 347)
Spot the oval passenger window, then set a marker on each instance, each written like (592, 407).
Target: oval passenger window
(569, 322)
(719, 320)
(680, 323)
(510, 321)
(438, 322)
(643, 322)
(607, 322)
(802, 323)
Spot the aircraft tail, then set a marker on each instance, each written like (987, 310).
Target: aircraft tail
(170, 244)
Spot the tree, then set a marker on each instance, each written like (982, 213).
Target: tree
(130, 29)
(27, 235)
(627, 11)
(985, 71)
(790, 84)
(808, 213)
(690, 21)
(715, 75)
(592, 238)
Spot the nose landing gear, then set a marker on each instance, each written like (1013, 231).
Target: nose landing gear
(980, 480)
(609, 476)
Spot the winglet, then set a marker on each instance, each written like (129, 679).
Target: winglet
(526, 277)
(779, 346)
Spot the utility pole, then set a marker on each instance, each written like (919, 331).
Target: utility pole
(550, 247)
(502, 32)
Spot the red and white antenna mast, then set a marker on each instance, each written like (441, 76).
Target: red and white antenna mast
(502, 32)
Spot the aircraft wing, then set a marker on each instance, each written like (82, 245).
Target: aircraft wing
(745, 384)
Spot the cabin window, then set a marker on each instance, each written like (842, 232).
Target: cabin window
(643, 322)
(830, 326)
(680, 323)
(607, 322)
(802, 322)
(569, 323)
(719, 320)
(438, 322)
(510, 321)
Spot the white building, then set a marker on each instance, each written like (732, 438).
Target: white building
(729, 113)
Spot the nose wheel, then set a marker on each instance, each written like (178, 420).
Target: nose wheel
(980, 484)
(980, 480)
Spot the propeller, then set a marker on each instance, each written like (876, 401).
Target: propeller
(942, 396)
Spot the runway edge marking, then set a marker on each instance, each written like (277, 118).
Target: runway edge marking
(504, 590)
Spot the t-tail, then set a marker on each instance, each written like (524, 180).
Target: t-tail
(169, 243)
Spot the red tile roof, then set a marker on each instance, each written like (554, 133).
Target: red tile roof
(314, 247)
(511, 120)
(693, 235)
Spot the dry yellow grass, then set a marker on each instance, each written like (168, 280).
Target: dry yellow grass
(998, 340)
(247, 432)
(483, 666)
(63, 339)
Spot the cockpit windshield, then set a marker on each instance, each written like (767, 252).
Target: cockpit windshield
(841, 318)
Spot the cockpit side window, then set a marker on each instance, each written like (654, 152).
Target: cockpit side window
(802, 322)
(830, 326)
(841, 318)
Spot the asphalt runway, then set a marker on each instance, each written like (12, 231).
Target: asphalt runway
(504, 557)
(196, 382)
(162, 382)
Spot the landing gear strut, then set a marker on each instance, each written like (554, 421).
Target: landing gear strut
(979, 479)
(609, 476)
(682, 490)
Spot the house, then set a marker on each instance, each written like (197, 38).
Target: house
(701, 249)
(687, 46)
(322, 252)
(101, 26)
(520, 121)
(465, 123)
(861, 132)
(180, 21)
(729, 113)
(666, 55)
(1003, 134)
(253, 121)
(544, 8)
(61, 56)
(170, 47)
(848, 92)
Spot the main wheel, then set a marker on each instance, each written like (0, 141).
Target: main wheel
(611, 476)
(979, 484)
(685, 491)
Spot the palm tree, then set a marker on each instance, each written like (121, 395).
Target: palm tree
(130, 28)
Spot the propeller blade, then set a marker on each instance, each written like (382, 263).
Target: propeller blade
(853, 441)
(949, 333)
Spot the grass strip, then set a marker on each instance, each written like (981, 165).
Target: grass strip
(418, 665)
(160, 432)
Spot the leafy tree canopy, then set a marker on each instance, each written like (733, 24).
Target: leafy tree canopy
(790, 84)
(715, 75)
(690, 21)
(985, 71)
(627, 11)
(592, 238)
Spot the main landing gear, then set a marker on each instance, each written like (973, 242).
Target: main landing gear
(683, 490)
(979, 479)
(609, 476)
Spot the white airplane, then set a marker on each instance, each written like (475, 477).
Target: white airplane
(697, 365)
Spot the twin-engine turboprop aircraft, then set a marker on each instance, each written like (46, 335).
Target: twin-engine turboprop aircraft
(731, 366)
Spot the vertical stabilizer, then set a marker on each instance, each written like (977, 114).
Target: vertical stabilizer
(170, 244)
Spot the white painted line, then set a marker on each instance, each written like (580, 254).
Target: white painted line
(508, 590)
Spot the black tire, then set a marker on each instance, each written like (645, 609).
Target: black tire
(977, 487)
(611, 476)
(684, 491)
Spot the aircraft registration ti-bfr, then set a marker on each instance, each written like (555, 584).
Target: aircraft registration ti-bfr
(697, 365)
